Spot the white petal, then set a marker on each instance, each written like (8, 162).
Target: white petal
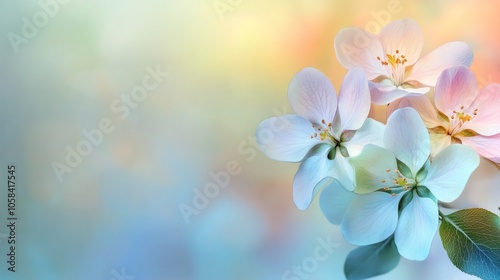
(439, 142)
(370, 218)
(374, 169)
(417, 226)
(384, 93)
(311, 172)
(343, 171)
(356, 47)
(449, 172)
(286, 138)
(312, 96)
(422, 105)
(354, 100)
(407, 137)
(403, 37)
(334, 200)
(371, 132)
(427, 69)
(455, 90)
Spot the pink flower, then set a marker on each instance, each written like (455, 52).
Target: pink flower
(391, 59)
(463, 114)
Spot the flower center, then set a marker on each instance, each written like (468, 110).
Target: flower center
(395, 65)
(399, 182)
(459, 120)
(325, 134)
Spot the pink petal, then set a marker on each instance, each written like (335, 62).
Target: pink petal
(402, 37)
(312, 96)
(486, 146)
(356, 47)
(456, 89)
(422, 105)
(487, 103)
(427, 69)
(354, 100)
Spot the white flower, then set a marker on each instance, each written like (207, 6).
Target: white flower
(391, 59)
(325, 133)
(397, 188)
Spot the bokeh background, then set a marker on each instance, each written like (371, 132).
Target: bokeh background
(117, 214)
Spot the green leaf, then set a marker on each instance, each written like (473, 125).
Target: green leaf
(404, 169)
(471, 237)
(372, 260)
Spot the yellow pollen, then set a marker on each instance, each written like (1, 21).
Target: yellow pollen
(393, 59)
(393, 194)
(383, 181)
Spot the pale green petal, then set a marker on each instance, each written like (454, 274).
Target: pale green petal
(374, 169)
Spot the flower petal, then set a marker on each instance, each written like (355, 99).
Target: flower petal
(343, 171)
(486, 146)
(487, 102)
(371, 132)
(311, 172)
(449, 172)
(439, 141)
(455, 90)
(402, 37)
(427, 69)
(422, 105)
(370, 218)
(385, 92)
(334, 200)
(356, 47)
(371, 169)
(407, 137)
(354, 100)
(417, 226)
(312, 96)
(286, 138)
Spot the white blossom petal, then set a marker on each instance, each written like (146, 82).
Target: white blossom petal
(407, 137)
(334, 200)
(417, 226)
(286, 138)
(449, 172)
(354, 100)
(311, 172)
(427, 69)
(312, 96)
(370, 218)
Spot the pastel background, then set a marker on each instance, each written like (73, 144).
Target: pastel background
(117, 214)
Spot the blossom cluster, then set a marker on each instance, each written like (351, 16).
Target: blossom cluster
(381, 181)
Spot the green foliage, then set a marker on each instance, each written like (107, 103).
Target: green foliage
(471, 237)
(372, 260)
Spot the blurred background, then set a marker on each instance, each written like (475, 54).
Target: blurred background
(128, 205)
